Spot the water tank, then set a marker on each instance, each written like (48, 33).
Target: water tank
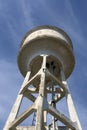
(48, 40)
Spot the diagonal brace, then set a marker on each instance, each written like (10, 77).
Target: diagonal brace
(61, 117)
(57, 80)
(22, 117)
(29, 82)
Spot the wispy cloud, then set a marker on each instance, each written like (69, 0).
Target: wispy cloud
(16, 19)
(9, 84)
(26, 11)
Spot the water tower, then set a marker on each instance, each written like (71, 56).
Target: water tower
(45, 60)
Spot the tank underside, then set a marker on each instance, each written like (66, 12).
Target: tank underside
(50, 41)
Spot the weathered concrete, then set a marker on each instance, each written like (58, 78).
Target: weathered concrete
(16, 106)
(46, 40)
(46, 55)
(70, 104)
(46, 128)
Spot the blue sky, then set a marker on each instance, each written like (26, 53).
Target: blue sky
(19, 16)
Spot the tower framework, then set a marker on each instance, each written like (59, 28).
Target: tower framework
(46, 60)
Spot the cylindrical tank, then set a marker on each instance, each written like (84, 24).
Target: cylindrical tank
(48, 40)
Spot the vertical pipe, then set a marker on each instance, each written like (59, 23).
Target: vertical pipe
(53, 95)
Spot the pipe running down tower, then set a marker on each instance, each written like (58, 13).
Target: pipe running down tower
(45, 60)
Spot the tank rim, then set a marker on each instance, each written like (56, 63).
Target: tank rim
(47, 27)
(25, 46)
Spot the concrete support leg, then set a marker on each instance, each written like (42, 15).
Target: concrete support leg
(71, 107)
(40, 113)
(41, 105)
(39, 117)
(16, 105)
(72, 111)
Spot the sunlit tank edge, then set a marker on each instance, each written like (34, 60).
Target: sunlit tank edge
(49, 40)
